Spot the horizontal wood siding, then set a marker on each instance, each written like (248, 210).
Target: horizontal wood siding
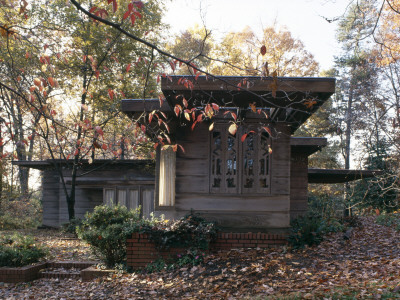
(255, 221)
(280, 168)
(230, 203)
(192, 166)
(86, 200)
(50, 201)
(298, 184)
(256, 211)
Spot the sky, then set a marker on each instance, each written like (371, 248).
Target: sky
(303, 18)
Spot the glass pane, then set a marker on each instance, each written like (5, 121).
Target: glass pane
(133, 202)
(109, 197)
(148, 202)
(122, 197)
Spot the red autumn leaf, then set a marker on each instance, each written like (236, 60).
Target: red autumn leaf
(177, 109)
(166, 126)
(51, 81)
(115, 5)
(104, 147)
(234, 116)
(162, 99)
(76, 152)
(128, 67)
(111, 93)
(185, 103)
(215, 106)
(126, 14)
(267, 129)
(183, 149)
(97, 74)
(155, 146)
(37, 82)
(99, 130)
(244, 136)
(151, 117)
(263, 50)
(93, 9)
(143, 128)
(133, 19)
(175, 147)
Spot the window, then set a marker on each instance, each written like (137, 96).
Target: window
(240, 167)
(131, 197)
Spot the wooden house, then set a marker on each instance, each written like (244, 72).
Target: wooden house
(257, 184)
(255, 179)
(126, 182)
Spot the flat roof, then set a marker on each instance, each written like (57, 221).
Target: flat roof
(50, 163)
(339, 175)
(290, 99)
(307, 145)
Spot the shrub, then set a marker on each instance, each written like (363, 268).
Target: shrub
(191, 232)
(18, 250)
(310, 230)
(390, 220)
(106, 229)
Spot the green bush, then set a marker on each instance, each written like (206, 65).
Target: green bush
(18, 250)
(390, 220)
(310, 230)
(191, 232)
(106, 229)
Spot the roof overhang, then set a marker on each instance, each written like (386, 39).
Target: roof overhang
(339, 175)
(98, 163)
(291, 99)
(288, 99)
(307, 145)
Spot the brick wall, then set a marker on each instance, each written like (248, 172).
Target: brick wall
(22, 274)
(141, 251)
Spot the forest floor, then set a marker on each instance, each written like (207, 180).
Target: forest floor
(367, 266)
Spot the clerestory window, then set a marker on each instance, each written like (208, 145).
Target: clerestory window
(240, 167)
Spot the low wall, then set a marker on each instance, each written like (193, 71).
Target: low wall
(141, 251)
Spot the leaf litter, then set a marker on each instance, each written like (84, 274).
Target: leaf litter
(365, 266)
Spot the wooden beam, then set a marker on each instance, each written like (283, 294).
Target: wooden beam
(339, 175)
(250, 83)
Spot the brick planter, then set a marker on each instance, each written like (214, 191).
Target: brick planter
(29, 273)
(141, 251)
(91, 273)
(22, 274)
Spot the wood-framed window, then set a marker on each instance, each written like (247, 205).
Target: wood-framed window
(240, 167)
(131, 197)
